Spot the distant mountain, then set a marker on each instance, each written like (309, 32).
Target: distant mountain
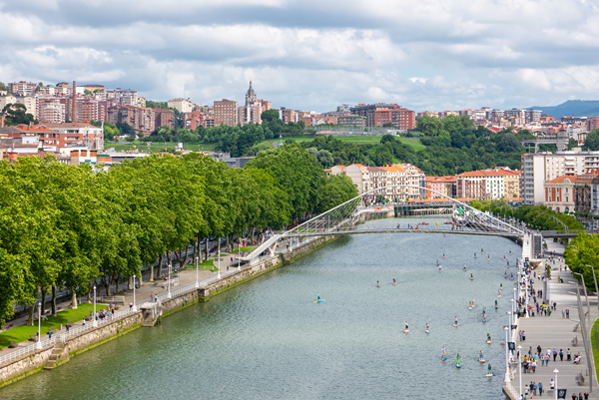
(575, 108)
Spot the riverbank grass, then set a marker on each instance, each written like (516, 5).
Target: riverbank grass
(23, 332)
(208, 265)
(245, 249)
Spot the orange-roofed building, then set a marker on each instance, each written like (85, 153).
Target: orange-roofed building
(559, 193)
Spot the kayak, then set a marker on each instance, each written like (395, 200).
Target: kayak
(319, 301)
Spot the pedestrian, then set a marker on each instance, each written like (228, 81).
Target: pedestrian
(152, 296)
(542, 360)
(568, 356)
(567, 313)
(563, 313)
(523, 336)
(561, 355)
(49, 334)
(586, 395)
(551, 384)
(540, 388)
(554, 354)
(534, 366)
(68, 326)
(539, 349)
(130, 306)
(534, 388)
(520, 334)
(83, 322)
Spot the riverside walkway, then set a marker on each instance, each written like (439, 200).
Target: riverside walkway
(185, 280)
(557, 332)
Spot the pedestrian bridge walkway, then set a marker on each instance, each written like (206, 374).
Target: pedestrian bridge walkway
(347, 219)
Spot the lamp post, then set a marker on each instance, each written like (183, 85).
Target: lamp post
(595, 279)
(218, 276)
(134, 308)
(507, 360)
(39, 332)
(555, 371)
(585, 294)
(238, 254)
(197, 272)
(520, 366)
(169, 295)
(94, 321)
(583, 330)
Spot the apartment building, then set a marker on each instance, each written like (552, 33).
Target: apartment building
(164, 117)
(71, 135)
(539, 168)
(121, 97)
(225, 112)
(88, 109)
(401, 118)
(357, 121)
(441, 184)
(141, 119)
(369, 110)
(23, 88)
(183, 105)
(50, 109)
(401, 175)
(287, 115)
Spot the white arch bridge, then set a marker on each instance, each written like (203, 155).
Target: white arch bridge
(347, 219)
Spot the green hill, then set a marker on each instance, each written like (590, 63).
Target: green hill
(575, 108)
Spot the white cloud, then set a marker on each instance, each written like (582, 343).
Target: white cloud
(312, 55)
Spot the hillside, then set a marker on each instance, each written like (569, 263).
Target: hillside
(575, 108)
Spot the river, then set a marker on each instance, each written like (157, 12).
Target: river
(267, 339)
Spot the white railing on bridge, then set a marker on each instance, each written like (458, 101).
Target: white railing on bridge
(77, 330)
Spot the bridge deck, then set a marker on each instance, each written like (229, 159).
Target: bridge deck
(404, 230)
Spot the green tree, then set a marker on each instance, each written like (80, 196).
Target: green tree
(592, 140)
(336, 190)
(16, 114)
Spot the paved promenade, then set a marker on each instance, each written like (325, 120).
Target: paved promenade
(557, 332)
(142, 295)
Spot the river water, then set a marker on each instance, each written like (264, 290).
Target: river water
(267, 339)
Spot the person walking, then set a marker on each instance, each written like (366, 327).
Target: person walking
(539, 349)
(554, 354)
(540, 388)
(568, 356)
(567, 313)
(534, 366)
(542, 360)
(561, 355)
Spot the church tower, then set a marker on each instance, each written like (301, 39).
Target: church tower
(250, 96)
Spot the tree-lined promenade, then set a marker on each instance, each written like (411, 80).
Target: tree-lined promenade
(65, 227)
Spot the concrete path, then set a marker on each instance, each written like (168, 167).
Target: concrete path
(143, 294)
(557, 332)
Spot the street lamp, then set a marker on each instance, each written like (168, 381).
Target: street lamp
(238, 254)
(555, 371)
(197, 273)
(39, 332)
(134, 308)
(507, 360)
(595, 279)
(94, 321)
(169, 295)
(218, 276)
(585, 294)
(520, 366)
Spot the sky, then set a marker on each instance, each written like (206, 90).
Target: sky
(312, 55)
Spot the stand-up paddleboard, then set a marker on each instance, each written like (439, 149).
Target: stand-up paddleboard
(488, 342)
(489, 375)
(319, 301)
(471, 278)
(496, 307)
(482, 360)
(406, 331)
(456, 325)
(458, 365)
(427, 331)
(470, 307)
(443, 358)
(484, 320)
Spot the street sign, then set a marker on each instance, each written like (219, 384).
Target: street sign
(511, 346)
(561, 393)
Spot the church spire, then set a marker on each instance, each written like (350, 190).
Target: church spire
(250, 96)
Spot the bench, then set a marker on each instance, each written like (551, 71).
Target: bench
(33, 338)
(580, 379)
(575, 341)
(575, 328)
(113, 299)
(13, 345)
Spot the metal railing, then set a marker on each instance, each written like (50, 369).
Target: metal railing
(26, 350)
(74, 331)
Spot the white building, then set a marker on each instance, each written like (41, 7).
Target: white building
(183, 105)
